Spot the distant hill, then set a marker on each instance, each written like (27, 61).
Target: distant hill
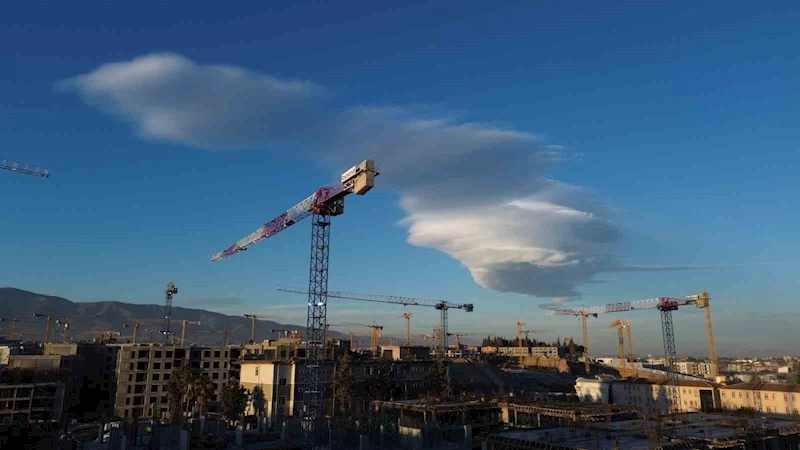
(16, 303)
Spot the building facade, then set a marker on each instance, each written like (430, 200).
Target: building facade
(97, 376)
(281, 383)
(31, 401)
(651, 397)
(777, 399)
(145, 370)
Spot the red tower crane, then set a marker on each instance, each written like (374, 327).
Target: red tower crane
(323, 204)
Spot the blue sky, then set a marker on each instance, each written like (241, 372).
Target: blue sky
(525, 150)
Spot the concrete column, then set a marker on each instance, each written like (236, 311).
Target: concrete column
(239, 436)
(468, 436)
(100, 432)
(363, 442)
(539, 420)
(184, 441)
(382, 436)
(284, 432)
(115, 440)
(515, 418)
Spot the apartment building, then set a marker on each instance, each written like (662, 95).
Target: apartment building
(282, 383)
(779, 399)
(545, 352)
(144, 372)
(650, 396)
(67, 369)
(31, 401)
(516, 351)
(698, 369)
(98, 363)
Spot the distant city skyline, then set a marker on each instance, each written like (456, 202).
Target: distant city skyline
(529, 154)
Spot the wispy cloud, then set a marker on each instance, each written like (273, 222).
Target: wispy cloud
(477, 192)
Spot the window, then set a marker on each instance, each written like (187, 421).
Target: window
(281, 381)
(167, 365)
(226, 353)
(216, 354)
(786, 397)
(225, 365)
(205, 365)
(769, 409)
(130, 367)
(157, 366)
(224, 375)
(129, 389)
(256, 370)
(167, 376)
(140, 377)
(207, 354)
(169, 354)
(158, 355)
(164, 399)
(156, 377)
(773, 396)
(130, 377)
(144, 354)
(153, 400)
(141, 366)
(723, 394)
(281, 400)
(215, 365)
(215, 376)
(133, 355)
(164, 388)
(154, 388)
(747, 394)
(128, 399)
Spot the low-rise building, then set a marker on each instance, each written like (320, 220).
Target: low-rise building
(546, 351)
(281, 383)
(31, 401)
(778, 399)
(403, 352)
(650, 396)
(6, 351)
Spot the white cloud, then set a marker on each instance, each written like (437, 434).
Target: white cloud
(474, 191)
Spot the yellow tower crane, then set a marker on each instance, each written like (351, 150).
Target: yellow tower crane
(622, 325)
(407, 316)
(183, 329)
(252, 317)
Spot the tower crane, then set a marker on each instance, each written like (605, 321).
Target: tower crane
(459, 336)
(374, 336)
(171, 290)
(407, 316)
(13, 326)
(441, 305)
(253, 318)
(135, 327)
(520, 324)
(322, 205)
(622, 325)
(225, 332)
(665, 305)
(18, 167)
(49, 319)
(183, 329)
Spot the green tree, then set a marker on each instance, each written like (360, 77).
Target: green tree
(343, 384)
(380, 385)
(796, 378)
(436, 379)
(203, 391)
(177, 392)
(234, 399)
(259, 401)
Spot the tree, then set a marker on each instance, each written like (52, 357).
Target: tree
(259, 401)
(796, 378)
(343, 384)
(380, 385)
(177, 392)
(436, 379)
(234, 399)
(203, 391)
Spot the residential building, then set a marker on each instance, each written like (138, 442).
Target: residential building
(144, 372)
(779, 399)
(782, 369)
(31, 401)
(593, 390)
(6, 351)
(282, 384)
(398, 352)
(67, 368)
(650, 396)
(98, 363)
(545, 352)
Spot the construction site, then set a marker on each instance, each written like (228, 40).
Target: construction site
(435, 391)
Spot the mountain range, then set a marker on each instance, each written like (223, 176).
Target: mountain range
(113, 316)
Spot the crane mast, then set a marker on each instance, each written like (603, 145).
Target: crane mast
(171, 290)
(323, 204)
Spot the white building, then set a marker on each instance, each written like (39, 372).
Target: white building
(593, 390)
(782, 369)
(5, 352)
